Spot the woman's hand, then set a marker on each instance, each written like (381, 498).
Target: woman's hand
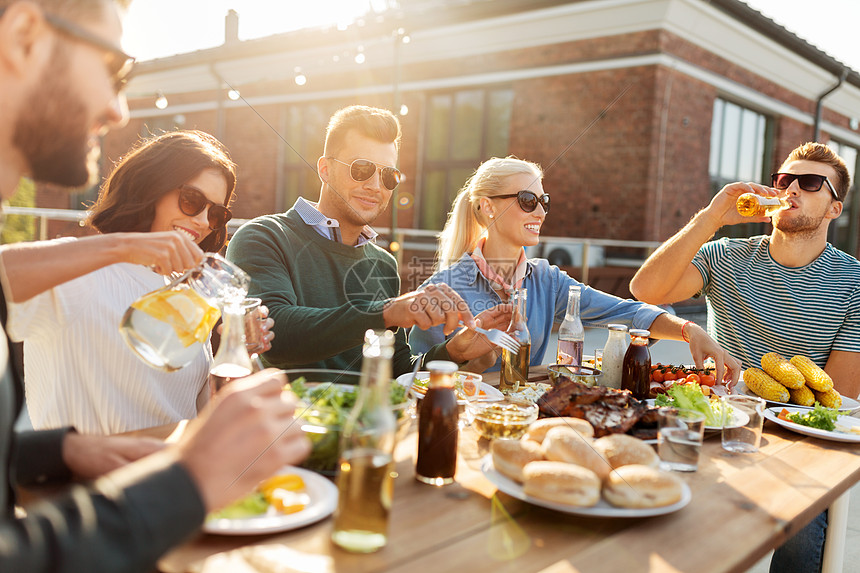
(164, 252)
(702, 346)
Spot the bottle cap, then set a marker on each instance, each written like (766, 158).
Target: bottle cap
(442, 366)
(621, 327)
(640, 332)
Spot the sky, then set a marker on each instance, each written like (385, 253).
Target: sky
(159, 28)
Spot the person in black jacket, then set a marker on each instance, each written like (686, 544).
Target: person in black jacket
(62, 73)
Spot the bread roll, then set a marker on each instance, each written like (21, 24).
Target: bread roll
(537, 430)
(511, 456)
(563, 444)
(561, 483)
(623, 450)
(638, 486)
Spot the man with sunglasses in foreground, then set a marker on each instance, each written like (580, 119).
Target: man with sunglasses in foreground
(323, 278)
(61, 80)
(790, 292)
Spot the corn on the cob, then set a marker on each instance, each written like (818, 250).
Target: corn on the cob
(816, 378)
(763, 385)
(829, 399)
(802, 396)
(782, 370)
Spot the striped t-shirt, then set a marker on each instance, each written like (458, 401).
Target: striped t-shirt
(756, 305)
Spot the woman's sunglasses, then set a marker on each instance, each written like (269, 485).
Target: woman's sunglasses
(807, 182)
(192, 202)
(528, 200)
(363, 169)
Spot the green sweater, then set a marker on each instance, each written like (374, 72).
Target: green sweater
(323, 295)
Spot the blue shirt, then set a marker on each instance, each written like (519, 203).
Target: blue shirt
(547, 291)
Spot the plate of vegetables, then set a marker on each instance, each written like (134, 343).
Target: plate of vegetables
(466, 384)
(818, 422)
(293, 498)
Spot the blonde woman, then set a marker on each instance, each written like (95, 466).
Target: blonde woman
(500, 211)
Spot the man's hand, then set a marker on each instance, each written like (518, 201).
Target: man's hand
(469, 345)
(91, 456)
(723, 207)
(702, 346)
(164, 252)
(435, 304)
(245, 435)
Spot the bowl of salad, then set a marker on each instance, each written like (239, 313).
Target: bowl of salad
(326, 398)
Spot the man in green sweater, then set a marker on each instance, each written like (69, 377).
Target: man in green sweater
(324, 279)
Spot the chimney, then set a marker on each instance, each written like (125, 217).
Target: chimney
(231, 27)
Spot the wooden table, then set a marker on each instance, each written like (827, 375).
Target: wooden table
(743, 506)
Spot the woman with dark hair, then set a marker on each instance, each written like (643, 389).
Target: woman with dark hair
(78, 370)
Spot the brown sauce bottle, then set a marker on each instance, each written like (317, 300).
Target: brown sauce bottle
(438, 427)
(636, 368)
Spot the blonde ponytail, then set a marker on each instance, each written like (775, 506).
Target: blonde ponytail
(466, 223)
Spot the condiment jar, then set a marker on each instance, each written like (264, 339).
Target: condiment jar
(613, 356)
(438, 424)
(636, 368)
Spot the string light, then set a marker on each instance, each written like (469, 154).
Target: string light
(160, 100)
(234, 94)
(300, 78)
(404, 109)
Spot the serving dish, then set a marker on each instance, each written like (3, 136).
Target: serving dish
(772, 414)
(602, 509)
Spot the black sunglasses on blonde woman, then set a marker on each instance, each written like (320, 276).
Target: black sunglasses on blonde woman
(192, 202)
(527, 200)
(363, 169)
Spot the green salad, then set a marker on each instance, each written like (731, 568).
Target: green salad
(328, 407)
(819, 417)
(690, 397)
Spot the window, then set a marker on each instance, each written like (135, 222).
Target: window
(843, 232)
(463, 129)
(304, 131)
(740, 141)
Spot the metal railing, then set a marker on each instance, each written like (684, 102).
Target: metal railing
(425, 240)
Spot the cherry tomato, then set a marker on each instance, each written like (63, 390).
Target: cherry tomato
(692, 378)
(707, 380)
(669, 375)
(657, 376)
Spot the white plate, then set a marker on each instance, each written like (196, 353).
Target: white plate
(322, 492)
(847, 403)
(602, 509)
(490, 394)
(772, 413)
(738, 418)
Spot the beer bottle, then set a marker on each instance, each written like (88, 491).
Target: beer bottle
(365, 480)
(755, 205)
(515, 365)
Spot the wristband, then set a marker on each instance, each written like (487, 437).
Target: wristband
(684, 336)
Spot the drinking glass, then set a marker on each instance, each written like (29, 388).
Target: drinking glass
(253, 324)
(742, 418)
(679, 440)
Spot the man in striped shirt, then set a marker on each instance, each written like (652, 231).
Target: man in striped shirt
(789, 292)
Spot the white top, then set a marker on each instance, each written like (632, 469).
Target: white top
(78, 371)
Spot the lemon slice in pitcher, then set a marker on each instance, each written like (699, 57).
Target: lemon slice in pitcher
(190, 315)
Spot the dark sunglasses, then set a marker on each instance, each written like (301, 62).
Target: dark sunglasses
(363, 169)
(192, 202)
(528, 200)
(807, 182)
(119, 64)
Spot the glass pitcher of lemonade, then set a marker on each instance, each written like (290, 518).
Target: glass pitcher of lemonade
(167, 327)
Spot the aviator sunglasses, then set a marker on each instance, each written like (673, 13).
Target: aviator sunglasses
(363, 169)
(807, 181)
(192, 202)
(528, 200)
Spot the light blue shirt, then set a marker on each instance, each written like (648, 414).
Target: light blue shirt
(326, 226)
(547, 291)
